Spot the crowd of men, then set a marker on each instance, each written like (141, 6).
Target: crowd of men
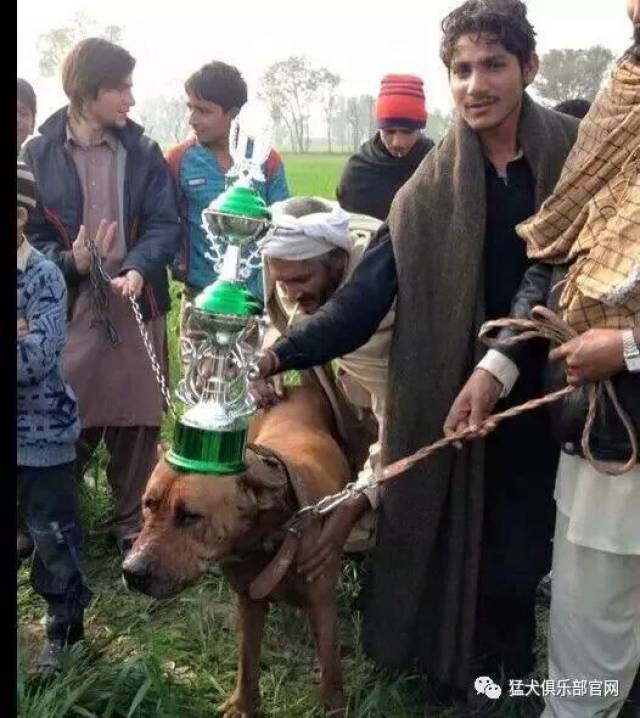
(377, 298)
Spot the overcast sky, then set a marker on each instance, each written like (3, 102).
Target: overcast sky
(359, 40)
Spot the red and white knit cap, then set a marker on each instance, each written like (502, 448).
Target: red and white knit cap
(401, 103)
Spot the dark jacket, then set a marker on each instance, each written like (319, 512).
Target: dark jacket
(151, 220)
(609, 440)
(372, 176)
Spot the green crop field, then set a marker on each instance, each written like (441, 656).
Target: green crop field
(314, 174)
(177, 657)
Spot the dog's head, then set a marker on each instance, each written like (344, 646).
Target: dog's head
(192, 519)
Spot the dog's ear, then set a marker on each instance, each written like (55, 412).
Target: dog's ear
(262, 497)
(264, 481)
(264, 472)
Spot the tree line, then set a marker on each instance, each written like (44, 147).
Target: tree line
(298, 94)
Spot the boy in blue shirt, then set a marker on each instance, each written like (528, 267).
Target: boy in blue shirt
(215, 96)
(47, 430)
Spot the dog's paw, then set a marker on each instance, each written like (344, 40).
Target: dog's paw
(334, 712)
(238, 707)
(334, 704)
(236, 712)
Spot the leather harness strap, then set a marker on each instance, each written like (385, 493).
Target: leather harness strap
(275, 570)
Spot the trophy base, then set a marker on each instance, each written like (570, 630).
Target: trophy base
(204, 451)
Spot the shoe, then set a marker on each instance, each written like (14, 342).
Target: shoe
(50, 657)
(60, 635)
(24, 545)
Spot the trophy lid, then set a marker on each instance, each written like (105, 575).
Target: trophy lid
(227, 297)
(241, 201)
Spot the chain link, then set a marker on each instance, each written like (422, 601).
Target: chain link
(155, 365)
(328, 503)
(99, 292)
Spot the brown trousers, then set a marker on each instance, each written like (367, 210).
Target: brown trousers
(132, 456)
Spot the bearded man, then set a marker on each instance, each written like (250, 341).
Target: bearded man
(310, 253)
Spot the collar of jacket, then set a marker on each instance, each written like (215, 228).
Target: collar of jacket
(375, 152)
(55, 128)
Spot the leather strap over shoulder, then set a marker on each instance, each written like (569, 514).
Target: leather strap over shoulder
(275, 570)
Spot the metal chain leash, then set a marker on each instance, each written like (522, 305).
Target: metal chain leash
(155, 365)
(99, 279)
(99, 293)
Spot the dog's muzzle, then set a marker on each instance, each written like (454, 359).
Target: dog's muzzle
(137, 575)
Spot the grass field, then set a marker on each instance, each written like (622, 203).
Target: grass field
(176, 658)
(314, 174)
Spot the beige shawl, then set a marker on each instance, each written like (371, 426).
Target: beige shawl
(592, 220)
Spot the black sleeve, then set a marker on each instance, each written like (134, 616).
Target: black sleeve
(44, 236)
(159, 222)
(350, 317)
(534, 290)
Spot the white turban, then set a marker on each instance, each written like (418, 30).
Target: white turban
(297, 238)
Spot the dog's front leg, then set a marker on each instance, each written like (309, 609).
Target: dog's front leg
(244, 700)
(323, 615)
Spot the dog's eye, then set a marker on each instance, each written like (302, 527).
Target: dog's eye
(186, 518)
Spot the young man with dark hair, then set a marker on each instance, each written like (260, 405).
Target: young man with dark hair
(92, 66)
(463, 538)
(101, 179)
(215, 95)
(585, 242)
(384, 163)
(26, 101)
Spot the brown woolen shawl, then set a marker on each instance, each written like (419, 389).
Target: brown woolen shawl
(420, 597)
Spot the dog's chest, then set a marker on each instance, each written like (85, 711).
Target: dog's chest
(241, 573)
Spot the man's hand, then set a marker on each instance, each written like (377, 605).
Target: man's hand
(23, 328)
(473, 405)
(81, 256)
(103, 241)
(268, 363)
(333, 535)
(594, 355)
(267, 392)
(130, 283)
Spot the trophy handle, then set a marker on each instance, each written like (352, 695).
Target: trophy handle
(251, 263)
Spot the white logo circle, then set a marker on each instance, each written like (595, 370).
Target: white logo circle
(481, 683)
(484, 685)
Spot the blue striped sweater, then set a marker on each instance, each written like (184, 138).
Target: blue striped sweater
(48, 424)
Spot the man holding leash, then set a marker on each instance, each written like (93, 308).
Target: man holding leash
(448, 582)
(587, 237)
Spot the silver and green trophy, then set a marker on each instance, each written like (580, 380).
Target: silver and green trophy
(223, 326)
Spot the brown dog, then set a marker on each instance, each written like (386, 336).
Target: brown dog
(190, 520)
